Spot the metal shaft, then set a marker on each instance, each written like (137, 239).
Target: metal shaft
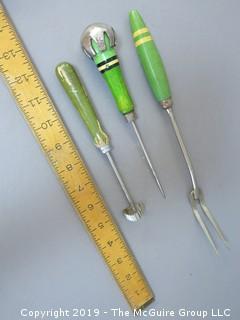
(184, 151)
(120, 180)
(196, 196)
(147, 157)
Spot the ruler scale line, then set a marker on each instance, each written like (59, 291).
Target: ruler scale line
(49, 130)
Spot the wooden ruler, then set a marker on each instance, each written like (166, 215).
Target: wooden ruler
(50, 132)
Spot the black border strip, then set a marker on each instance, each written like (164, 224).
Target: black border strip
(106, 61)
(111, 67)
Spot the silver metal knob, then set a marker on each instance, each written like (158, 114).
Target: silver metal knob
(96, 32)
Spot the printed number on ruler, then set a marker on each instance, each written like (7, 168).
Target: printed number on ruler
(43, 119)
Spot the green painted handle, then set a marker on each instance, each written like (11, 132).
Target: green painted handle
(108, 64)
(77, 94)
(150, 58)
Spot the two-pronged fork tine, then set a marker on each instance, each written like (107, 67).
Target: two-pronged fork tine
(211, 218)
(197, 215)
(196, 197)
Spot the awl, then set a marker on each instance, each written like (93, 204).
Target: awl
(98, 43)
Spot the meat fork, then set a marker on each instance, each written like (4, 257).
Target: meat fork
(195, 196)
(157, 78)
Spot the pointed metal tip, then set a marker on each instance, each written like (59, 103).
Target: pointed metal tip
(227, 245)
(226, 242)
(212, 243)
(212, 219)
(159, 185)
(216, 251)
(162, 191)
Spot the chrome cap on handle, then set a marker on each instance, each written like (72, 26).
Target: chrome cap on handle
(95, 32)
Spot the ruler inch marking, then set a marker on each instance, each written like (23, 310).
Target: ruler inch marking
(49, 130)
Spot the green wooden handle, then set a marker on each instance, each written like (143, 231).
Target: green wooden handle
(77, 94)
(108, 64)
(150, 58)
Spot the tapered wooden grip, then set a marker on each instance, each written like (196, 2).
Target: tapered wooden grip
(149, 57)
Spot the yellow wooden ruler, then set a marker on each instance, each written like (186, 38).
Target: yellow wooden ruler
(44, 121)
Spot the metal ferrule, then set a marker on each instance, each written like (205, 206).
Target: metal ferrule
(166, 104)
(131, 116)
(105, 149)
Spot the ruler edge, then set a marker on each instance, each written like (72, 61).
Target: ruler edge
(57, 113)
